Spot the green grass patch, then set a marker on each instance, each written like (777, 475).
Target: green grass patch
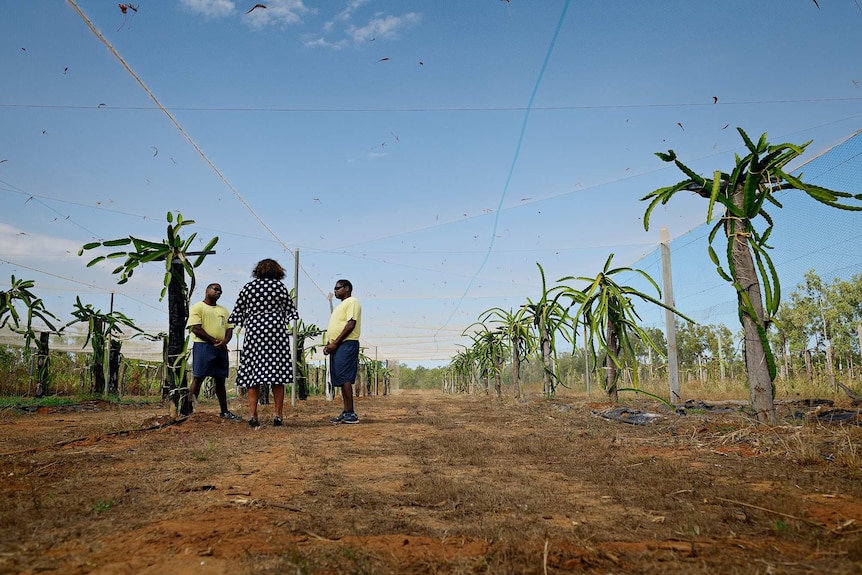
(7, 401)
(102, 506)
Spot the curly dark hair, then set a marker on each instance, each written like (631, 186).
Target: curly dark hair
(268, 269)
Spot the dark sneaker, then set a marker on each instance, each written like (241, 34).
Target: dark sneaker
(338, 419)
(253, 422)
(228, 415)
(277, 422)
(350, 418)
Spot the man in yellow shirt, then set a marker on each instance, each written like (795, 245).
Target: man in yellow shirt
(211, 333)
(342, 335)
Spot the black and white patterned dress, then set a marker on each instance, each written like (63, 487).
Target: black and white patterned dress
(263, 308)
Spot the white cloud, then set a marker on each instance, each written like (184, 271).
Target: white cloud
(210, 8)
(60, 275)
(278, 12)
(352, 6)
(15, 242)
(324, 43)
(383, 27)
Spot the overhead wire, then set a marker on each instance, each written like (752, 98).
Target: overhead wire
(16, 190)
(442, 108)
(593, 187)
(515, 156)
(185, 134)
(413, 230)
(83, 283)
(505, 190)
(38, 199)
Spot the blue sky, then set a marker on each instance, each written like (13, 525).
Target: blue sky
(431, 153)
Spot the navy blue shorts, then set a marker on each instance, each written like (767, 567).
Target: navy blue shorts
(207, 360)
(344, 362)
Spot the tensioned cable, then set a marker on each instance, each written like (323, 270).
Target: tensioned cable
(443, 108)
(512, 165)
(7, 187)
(505, 190)
(174, 121)
(185, 134)
(14, 189)
(64, 278)
(36, 198)
(592, 187)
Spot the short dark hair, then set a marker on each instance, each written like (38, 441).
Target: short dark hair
(268, 269)
(346, 283)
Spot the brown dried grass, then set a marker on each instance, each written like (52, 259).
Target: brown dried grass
(428, 484)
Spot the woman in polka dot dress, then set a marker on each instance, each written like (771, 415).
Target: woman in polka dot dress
(263, 308)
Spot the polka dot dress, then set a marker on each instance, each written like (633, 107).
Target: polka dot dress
(263, 308)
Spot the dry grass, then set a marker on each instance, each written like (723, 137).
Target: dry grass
(429, 484)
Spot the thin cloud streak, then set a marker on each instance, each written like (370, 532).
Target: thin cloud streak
(210, 8)
(388, 27)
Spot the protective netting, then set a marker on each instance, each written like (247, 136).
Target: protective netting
(807, 235)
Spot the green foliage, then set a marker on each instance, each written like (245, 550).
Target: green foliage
(19, 292)
(608, 313)
(531, 330)
(173, 247)
(375, 372)
(205, 453)
(515, 327)
(656, 340)
(420, 377)
(100, 324)
(517, 336)
(606, 309)
(547, 317)
(305, 334)
(820, 318)
(489, 350)
(7, 401)
(742, 194)
(102, 505)
(99, 327)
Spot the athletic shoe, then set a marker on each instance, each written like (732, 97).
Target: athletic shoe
(350, 418)
(338, 419)
(253, 422)
(277, 422)
(228, 415)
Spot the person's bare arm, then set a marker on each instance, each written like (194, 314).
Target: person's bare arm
(222, 344)
(332, 345)
(199, 331)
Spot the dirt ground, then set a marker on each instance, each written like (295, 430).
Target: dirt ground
(427, 484)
